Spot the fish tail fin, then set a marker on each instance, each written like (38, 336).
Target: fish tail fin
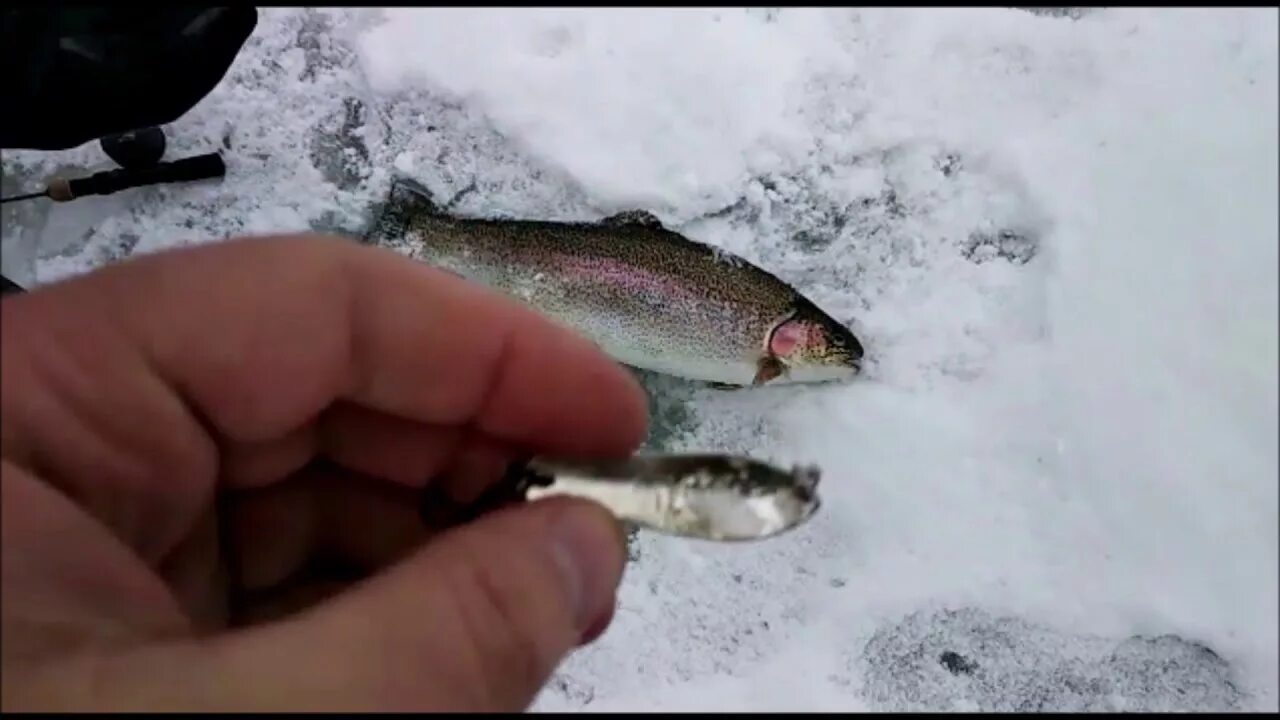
(407, 198)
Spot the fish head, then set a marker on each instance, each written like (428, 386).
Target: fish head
(814, 347)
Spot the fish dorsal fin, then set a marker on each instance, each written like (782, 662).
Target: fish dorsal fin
(406, 199)
(411, 194)
(633, 217)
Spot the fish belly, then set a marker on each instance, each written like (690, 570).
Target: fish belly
(690, 365)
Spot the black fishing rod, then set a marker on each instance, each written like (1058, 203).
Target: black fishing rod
(190, 169)
(138, 153)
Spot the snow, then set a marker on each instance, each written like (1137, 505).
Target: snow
(684, 112)
(1057, 237)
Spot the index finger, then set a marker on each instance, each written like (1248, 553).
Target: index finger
(259, 336)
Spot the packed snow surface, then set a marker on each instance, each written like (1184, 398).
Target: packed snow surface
(1056, 486)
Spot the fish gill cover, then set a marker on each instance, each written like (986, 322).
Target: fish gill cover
(1054, 487)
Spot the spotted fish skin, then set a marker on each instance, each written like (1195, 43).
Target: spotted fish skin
(649, 297)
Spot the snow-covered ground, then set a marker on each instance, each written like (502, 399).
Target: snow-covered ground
(1056, 487)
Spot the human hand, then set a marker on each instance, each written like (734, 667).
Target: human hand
(162, 513)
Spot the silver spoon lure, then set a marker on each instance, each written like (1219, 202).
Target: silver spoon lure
(707, 496)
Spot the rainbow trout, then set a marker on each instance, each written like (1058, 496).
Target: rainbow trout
(648, 297)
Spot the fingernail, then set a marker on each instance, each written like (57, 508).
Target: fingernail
(588, 547)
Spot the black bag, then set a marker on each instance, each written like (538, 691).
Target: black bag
(74, 74)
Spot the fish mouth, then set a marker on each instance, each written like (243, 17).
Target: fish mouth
(844, 343)
(810, 374)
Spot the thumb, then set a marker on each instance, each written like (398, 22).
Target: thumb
(476, 620)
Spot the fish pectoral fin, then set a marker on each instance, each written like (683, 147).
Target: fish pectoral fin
(633, 217)
(767, 368)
